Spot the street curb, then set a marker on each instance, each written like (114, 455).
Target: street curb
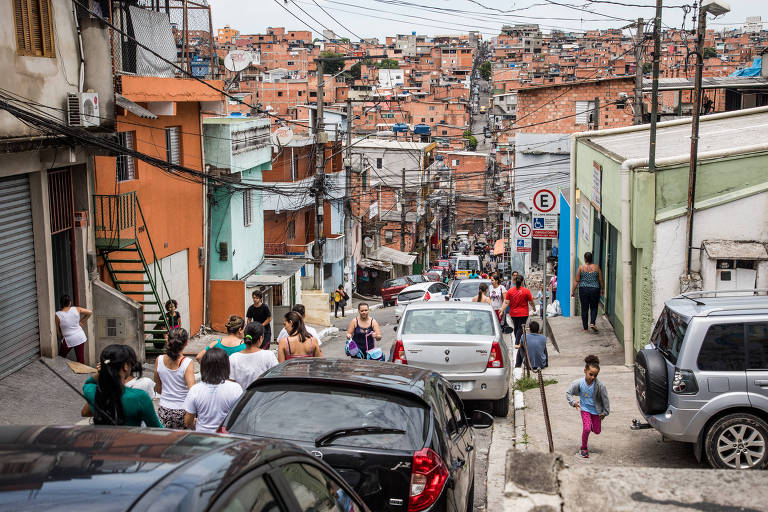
(325, 332)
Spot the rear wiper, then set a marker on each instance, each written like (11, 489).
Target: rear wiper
(329, 437)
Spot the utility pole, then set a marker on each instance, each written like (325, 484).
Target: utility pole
(701, 31)
(596, 114)
(321, 138)
(639, 72)
(402, 213)
(347, 194)
(655, 87)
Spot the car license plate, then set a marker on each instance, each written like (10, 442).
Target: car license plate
(457, 386)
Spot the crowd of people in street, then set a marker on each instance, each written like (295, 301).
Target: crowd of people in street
(118, 394)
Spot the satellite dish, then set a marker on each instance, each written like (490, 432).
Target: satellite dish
(523, 208)
(237, 60)
(282, 136)
(368, 241)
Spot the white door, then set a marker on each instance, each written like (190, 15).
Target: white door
(175, 272)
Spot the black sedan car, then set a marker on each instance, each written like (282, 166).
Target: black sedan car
(87, 468)
(397, 434)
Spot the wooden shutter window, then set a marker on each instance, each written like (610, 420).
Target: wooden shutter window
(34, 28)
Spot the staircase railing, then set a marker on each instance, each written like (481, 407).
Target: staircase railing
(120, 219)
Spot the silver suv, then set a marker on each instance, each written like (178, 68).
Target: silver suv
(703, 379)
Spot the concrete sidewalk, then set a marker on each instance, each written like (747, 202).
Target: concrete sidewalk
(627, 469)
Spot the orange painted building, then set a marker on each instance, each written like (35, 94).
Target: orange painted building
(172, 207)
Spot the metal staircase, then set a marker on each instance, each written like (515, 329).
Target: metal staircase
(121, 231)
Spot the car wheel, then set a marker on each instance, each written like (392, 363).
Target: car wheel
(500, 408)
(737, 441)
(471, 497)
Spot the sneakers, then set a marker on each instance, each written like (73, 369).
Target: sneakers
(584, 453)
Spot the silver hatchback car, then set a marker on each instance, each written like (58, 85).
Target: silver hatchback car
(703, 379)
(463, 342)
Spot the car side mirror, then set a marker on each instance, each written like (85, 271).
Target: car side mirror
(394, 328)
(481, 419)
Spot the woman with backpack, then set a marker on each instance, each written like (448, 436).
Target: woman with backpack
(340, 299)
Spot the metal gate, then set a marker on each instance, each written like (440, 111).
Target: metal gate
(20, 342)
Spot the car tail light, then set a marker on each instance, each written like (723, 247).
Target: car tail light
(684, 382)
(398, 353)
(222, 430)
(427, 296)
(495, 360)
(396, 301)
(428, 477)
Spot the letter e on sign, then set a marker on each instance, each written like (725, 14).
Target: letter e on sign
(544, 201)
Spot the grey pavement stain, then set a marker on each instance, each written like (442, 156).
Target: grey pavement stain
(706, 506)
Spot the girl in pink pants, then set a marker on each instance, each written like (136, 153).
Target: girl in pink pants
(590, 396)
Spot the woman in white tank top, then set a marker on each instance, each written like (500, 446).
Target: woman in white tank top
(69, 324)
(174, 375)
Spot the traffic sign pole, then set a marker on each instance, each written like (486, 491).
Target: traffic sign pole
(545, 226)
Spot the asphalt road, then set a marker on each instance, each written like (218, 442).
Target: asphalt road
(333, 346)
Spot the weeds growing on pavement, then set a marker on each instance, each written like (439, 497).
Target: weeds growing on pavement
(526, 383)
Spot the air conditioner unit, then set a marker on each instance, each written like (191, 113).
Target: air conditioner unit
(83, 109)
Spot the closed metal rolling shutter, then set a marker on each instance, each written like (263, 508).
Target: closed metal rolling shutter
(20, 341)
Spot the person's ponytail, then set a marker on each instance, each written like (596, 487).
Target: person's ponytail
(109, 389)
(177, 340)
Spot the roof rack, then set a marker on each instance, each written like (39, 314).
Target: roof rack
(723, 293)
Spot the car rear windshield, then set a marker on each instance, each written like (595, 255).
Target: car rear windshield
(466, 289)
(668, 334)
(417, 279)
(304, 412)
(400, 281)
(412, 295)
(467, 265)
(449, 321)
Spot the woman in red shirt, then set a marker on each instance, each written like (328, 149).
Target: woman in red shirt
(518, 299)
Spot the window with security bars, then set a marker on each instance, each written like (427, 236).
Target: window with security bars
(126, 164)
(34, 28)
(173, 144)
(247, 207)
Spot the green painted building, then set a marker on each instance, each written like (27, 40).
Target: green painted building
(239, 149)
(635, 221)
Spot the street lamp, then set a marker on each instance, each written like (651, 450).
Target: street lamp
(716, 8)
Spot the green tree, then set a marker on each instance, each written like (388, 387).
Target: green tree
(388, 64)
(485, 70)
(354, 72)
(709, 52)
(333, 66)
(472, 144)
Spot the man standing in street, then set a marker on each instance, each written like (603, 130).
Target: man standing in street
(259, 312)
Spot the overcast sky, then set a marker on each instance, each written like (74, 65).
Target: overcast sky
(379, 18)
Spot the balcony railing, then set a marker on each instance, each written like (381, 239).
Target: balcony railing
(163, 34)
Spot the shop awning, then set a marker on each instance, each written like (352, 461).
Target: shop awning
(274, 271)
(383, 266)
(735, 250)
(393, 255)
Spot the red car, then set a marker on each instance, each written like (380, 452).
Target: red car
(392, 287)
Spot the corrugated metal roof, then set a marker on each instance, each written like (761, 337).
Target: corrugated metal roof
(675, 141)
(711, 82)
(393, 255)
